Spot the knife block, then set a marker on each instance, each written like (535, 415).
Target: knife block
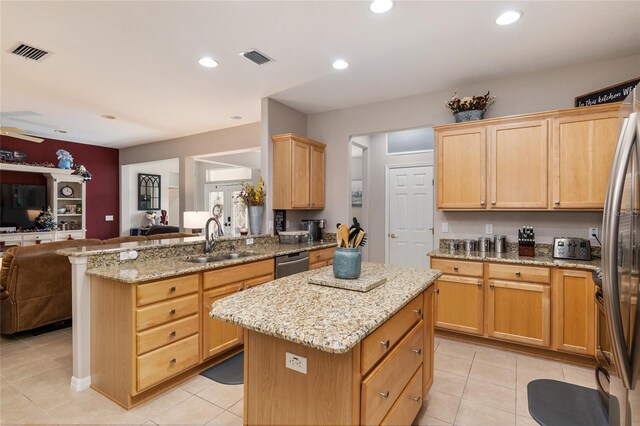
(526, 251)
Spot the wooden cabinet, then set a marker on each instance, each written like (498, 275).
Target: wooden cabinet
(518, 165)
(321, 258)
(519, 312)
(542, 161)
(459, 304)
(583, 148)
(461, 168)
(574, 312)
(429, 313)
(220, 336)
(298, 173)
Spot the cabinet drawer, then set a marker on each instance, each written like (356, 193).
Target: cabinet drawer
(384, 385)
(322, 255)
(166, 289)
(238, 273)
(532, 274)
(383, 338)
(165, 362)
(165, 334)
(259, 280)
(406, 408)
(458, 267)
(163, 312)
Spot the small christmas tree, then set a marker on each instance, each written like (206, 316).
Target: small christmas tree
(46, 221)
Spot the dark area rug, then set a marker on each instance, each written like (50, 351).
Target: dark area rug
(228, 372)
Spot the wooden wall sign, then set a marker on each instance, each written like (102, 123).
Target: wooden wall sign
(615, 93)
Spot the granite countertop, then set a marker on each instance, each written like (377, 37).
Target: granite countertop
(330, 319)
(513, 257)
(140, 271)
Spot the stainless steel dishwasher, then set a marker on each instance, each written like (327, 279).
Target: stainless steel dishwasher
(290, 264)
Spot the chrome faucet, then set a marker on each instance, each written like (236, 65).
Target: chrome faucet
(209, 239)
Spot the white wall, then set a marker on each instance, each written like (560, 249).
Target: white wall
(527, 93)
(130, 216)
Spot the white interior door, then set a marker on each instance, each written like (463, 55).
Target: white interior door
(410, 219)
(222, 202)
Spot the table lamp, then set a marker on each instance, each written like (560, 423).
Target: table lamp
(195, 220)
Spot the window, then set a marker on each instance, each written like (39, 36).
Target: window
(410, 141)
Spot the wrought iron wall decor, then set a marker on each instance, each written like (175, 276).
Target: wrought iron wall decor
(148, 192)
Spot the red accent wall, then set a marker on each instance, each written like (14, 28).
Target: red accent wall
(103, 189)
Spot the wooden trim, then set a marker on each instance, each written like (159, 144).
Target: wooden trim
(245, 406)
(462, 280)
(538, 115)
(356, 381)
(292, 136)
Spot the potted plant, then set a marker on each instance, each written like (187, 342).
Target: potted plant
(470, 107)
(254, 197)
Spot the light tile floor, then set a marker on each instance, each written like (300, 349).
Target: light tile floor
(473, 385)
(480, 386)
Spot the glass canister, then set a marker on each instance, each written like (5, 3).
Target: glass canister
(347, 263)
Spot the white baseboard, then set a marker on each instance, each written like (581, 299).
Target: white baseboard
(80, 384)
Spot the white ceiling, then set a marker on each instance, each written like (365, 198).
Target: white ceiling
(138, 60)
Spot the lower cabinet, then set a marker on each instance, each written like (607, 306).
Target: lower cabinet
(574, 312)
(459, 305)
(218, 336)
(321, 258)
(519, 312)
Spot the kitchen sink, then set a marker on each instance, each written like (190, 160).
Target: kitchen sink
(219, 257)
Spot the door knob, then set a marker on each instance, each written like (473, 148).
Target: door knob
(393, 236)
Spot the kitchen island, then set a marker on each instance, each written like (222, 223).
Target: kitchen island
(324, 355)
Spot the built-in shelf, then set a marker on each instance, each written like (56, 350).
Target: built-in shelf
(69, 199)
(33, 169)
(70, 214)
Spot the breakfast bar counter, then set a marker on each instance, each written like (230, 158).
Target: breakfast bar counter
(326, 355)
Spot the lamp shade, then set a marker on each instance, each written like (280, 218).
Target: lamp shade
(195, 220)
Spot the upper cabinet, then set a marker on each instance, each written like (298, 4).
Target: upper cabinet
(298, 173)
(543, 161)
(583, 148)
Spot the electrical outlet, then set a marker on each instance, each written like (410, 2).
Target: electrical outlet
(287, 225)
(592, 232)
(445, 227)
(249, 241)
(295, 362)
(270, 227)
(108, 218)
(488, 228)
(126, 255)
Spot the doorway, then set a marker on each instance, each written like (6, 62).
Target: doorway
(222, 202)
(360, 186)
(410, 215)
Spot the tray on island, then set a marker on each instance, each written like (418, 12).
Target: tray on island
(370, 278)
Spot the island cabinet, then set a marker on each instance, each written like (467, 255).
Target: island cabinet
(542, 161)
(538, 306)
(298, 173)
(321, 258)
(382, 380)
(219, 336)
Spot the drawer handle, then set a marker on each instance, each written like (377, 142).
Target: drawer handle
(455, 269)
(172, 333)
(557, 202)
(418, 351)
(482, 203)
(172, 312)
(479, 284)
(385, 343)
(492, 285)
(418, 311)
(437, 291)
(493, 202)
(172, 361)
(384, 394)
(518, 274)
(172, 288)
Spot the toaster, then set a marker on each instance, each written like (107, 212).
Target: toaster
(571, 248)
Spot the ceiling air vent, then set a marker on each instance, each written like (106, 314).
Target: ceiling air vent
(256, 57)
(30, 52)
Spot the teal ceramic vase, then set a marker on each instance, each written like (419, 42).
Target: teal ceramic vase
(347, 263)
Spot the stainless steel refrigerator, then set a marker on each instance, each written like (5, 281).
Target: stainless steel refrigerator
(619, 352)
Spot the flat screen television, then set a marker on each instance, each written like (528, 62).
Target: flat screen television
(20, 204)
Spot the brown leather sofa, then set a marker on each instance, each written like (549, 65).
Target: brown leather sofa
(35, 282)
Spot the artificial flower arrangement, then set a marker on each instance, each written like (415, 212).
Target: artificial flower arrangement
(65, 159)
(151, 217)
(469, 103)
(253, 195)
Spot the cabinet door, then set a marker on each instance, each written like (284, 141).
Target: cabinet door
(317, 177)
(519, 312)
(574, 314)
(459, 304)
(583, 148)
(300, 174)
(219, 335)
(518, 165)
(461, 167)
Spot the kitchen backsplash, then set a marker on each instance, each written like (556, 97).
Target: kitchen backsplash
(542, 249)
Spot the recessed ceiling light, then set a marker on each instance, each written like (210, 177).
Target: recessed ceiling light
(108, 117)
(381, 6)
(236, 117)
(340, 64)
(60, 131)
(208, 62)
(508, 17)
